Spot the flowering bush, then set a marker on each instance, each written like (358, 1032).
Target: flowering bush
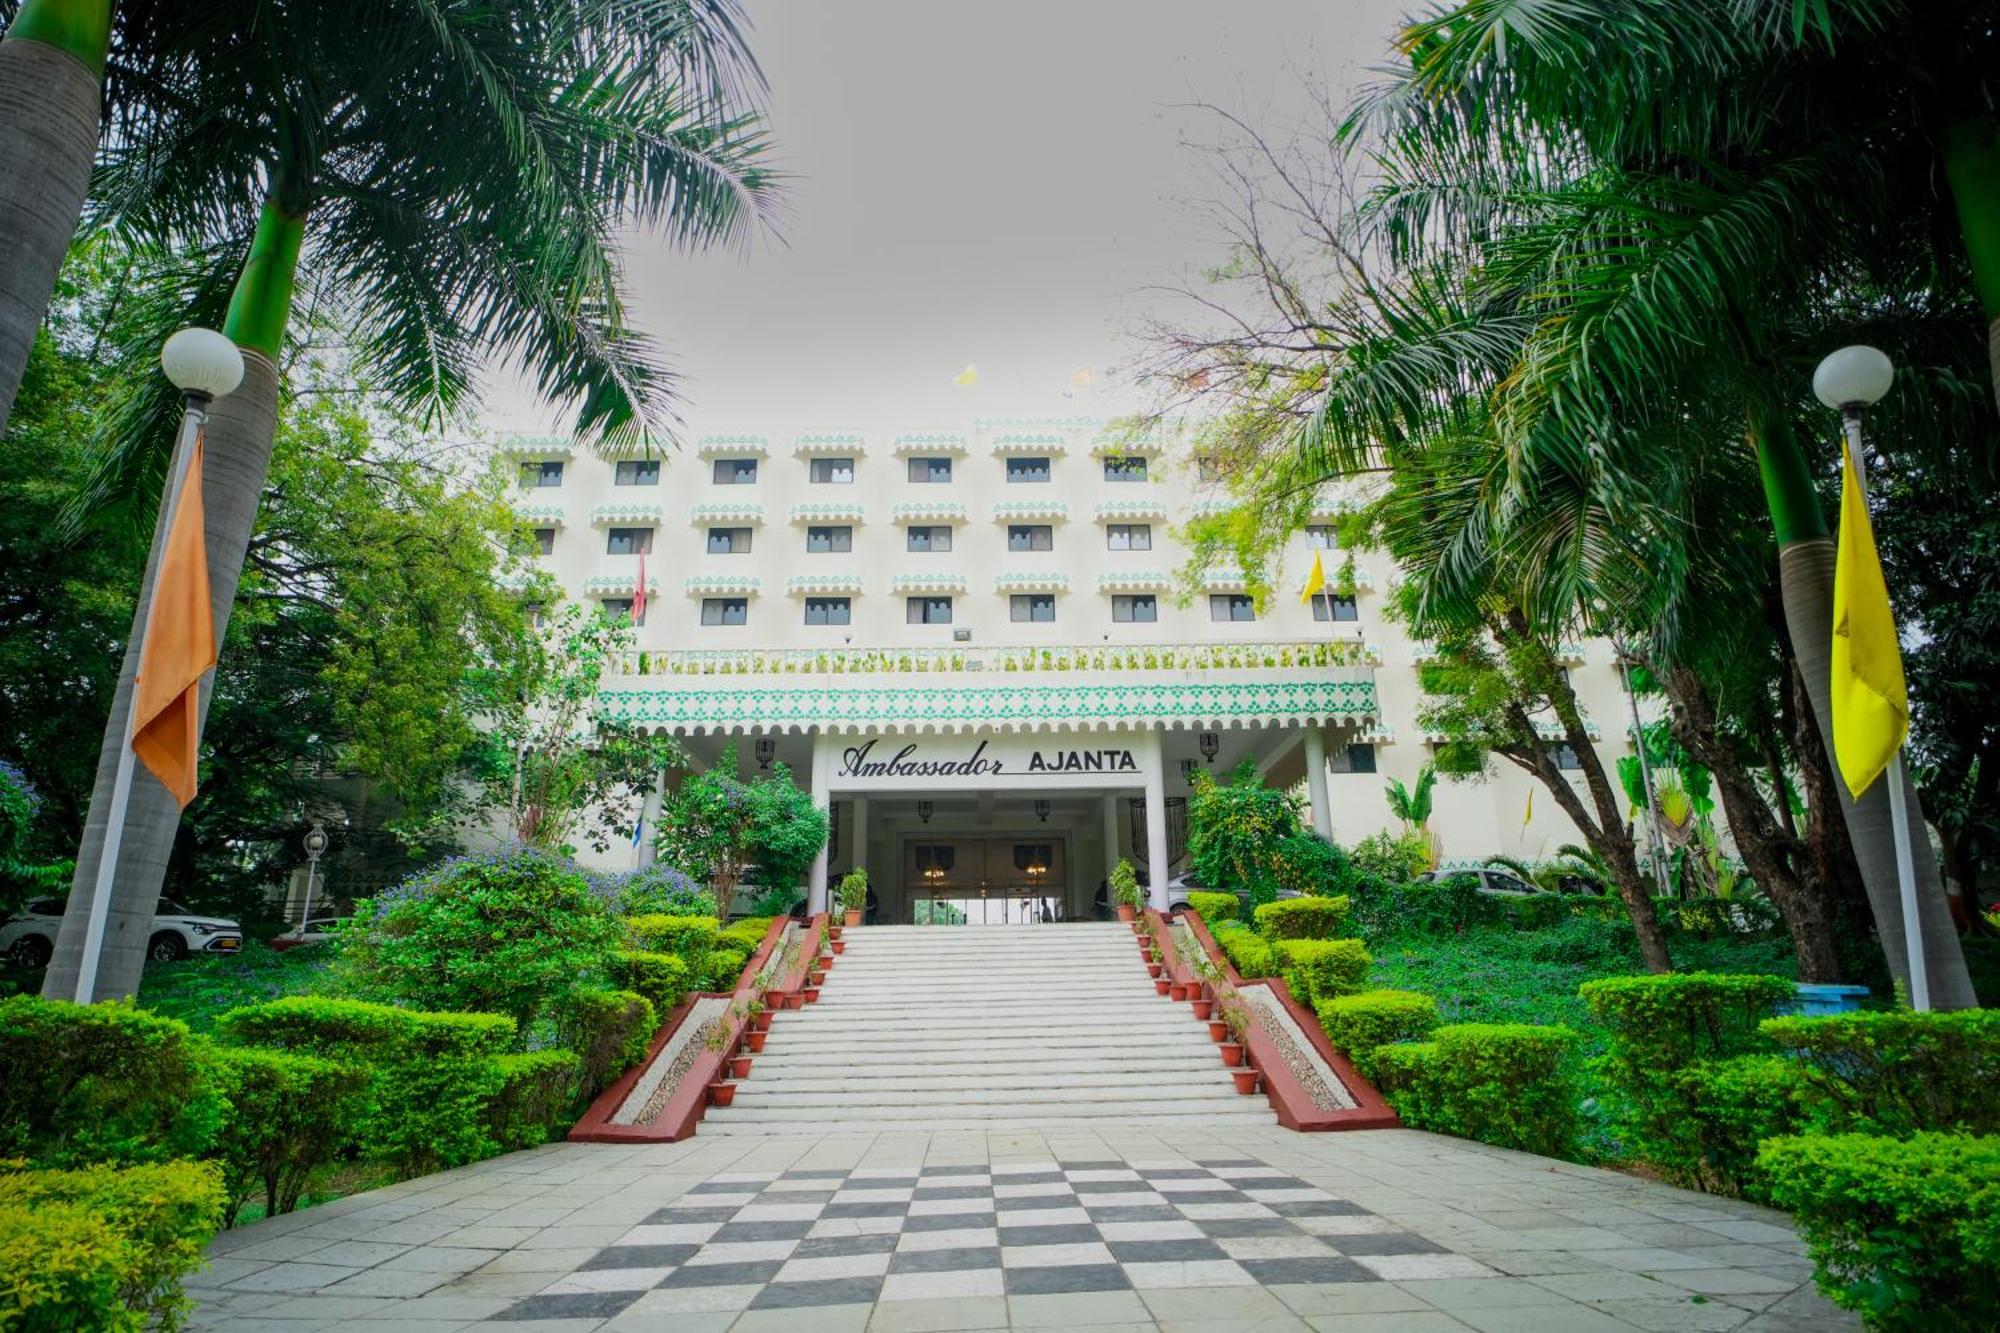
(654, 890)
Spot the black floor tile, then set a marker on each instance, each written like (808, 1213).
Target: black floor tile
(954, 1191)
(1331, 1268)
(945, 1261)
(1132, 1212)
(737, 1232)
(1062, 1233)
(1318, 1208)
(887, 1209)
(827, 1247)
(638, 1256)
(1069, 1277)
(1384, 1242)
(820, 1173)
(1164, 1251)
(749, 1273)
(828, 1291)
(576, 1305)
(1246, 1226)
(947, 1221)
(666, 1215)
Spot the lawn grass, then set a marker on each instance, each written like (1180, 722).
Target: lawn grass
(198, 990)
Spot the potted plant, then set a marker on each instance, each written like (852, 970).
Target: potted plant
(1177, 991)
(739, 1066)
(1246, 1080)
(721, 1093)
(1161, 986)
(1125, 891)
(853, 894)
(1218, 1031)
(1236, 1020)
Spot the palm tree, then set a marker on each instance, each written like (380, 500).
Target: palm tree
(1412, 805)
(51, 82)
(450, 183)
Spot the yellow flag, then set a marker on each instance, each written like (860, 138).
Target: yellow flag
(1529, 814)
(970, 375)
(1315, 582)
(1871, 710)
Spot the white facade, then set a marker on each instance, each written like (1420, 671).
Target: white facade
(1011, 584)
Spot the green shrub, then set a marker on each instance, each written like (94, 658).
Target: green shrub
(1537, 912)
(431, 1075)
(1303, 918)
(290, 1118)
(852, 892)
(1709, 918)
(1322, 969)
(103, 1247)
(1669, 1021)
(1391, 858)
(1906, 1232)
(99, 1083)
(1358, 1024)
(538, 1094)
(1716, 1113)
(1506, 1084)
(609, 1031)
(721, 970)
(504, 934)
(691, 937)
(654, 889)
(1306, 863)
(1897, 1072)
(1383, 910)
(662, 978)
(1250, 953)
(1215, 907)
(746, 934)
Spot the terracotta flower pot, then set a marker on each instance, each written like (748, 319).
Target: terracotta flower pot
(1154, 969)
(815, 979)
(833, 930)
(739, 1066)
(1232, 1053)
(839, 945)
(853, 916)
(755, 1039)
(721, 1094)
(1127, 912)
(1218, 1031)
(1176, 992)
(1246, 1080)
(794, 1000)
(1160, 985)
(1203, 1008)
(761, 1022)
(812, 994)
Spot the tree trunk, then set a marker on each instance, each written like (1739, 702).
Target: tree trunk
(49, 99)
(1805, 571)
(236, 457)
(1767, 851)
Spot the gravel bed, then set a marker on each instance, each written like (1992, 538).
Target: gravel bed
(663, 1077)
(1321, 1083)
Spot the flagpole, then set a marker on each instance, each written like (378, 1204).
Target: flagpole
(193, 416)
(1899, 808)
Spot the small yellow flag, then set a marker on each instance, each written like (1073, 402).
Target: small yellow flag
(1315, 582)
(1871, 709)
(970, 375)
(1529, 814)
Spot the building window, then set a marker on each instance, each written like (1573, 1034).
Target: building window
(1355, 757)
(725, 610)
(545, 541)
(1125, 469)
(621, 607)
(1037, 607)
(832, 472)
(1208, 468)
(929, 539)
(1030, 537)
(1333, 606)
(1027, 469)
(735, 471)
(823, 541)
(928, 611)
(1322, 537)
(628, 541)
(930, 470)
(729, 541)
(828, 610)
(1231, 606)
(537, 475)
(1564, 758)
(637, 472)
(1135, 608)
(1128, 536)
(537, 616)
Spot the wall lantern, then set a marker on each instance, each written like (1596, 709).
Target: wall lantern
(924, 810)
(1042, 811)
(1210, 743)
(767, 750)
(1187, 770)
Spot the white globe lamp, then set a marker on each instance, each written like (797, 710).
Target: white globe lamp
(202, 362)
(1853, 378)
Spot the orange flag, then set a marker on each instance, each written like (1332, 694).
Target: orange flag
(179, 647)
(639, 592)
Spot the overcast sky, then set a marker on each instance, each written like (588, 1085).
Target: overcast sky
(972, 184)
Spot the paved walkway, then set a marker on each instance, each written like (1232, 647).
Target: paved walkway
(1242, 1229)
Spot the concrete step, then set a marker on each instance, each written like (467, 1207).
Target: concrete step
(923, 1079)
(1134, 1116)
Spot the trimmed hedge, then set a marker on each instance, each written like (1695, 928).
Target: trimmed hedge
(609, 1030)
(1507, 1084)
(432, 1075)
(1897, 1072)
(1710, 1117)
(690, 937)
(289, 1118)
(1671, 1020)
(1250, 953)
(1303, 918)
(81, 1084)
(1322, 969)
(1359, 1024)
(663, 978)
(1215, 907)
(1906, 1232)
(722, 968)
(104, 1247)
(746, 934)
(538, 1094)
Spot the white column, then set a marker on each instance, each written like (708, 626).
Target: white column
(822, 797)
(649, 811)
(1153, 762)
(1316, 783)
(857, 855)
(1111, 800)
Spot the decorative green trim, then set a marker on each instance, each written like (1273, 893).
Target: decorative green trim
(261, 305)
(931, 442)
(610, 585)
(81, 28)
(1788, 486)
(830, 442)
(940, 584)
(1120, 511)
(1136, 580)
(733, 446)
(529, 447)
(941, 511)
(549, 516)
(1017, 511)
(1972, 168)
(738, 585)
(813, 585)
(1021, 580)
(1147, 703)
(845, 511)
(651, 515)
(724, 512)
(1029, 442)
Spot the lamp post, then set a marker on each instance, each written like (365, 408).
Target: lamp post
(315, 844)
(1850, 381)
(204, 365)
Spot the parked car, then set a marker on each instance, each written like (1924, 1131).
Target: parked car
(1502, 883)
(1180, 886)
(28, 939)
(318, 930)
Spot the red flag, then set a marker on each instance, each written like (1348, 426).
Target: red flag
(178, 649)
(639, 592)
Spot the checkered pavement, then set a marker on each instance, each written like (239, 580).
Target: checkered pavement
(759, 1240)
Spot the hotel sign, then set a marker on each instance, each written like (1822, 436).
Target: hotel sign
(993, 761)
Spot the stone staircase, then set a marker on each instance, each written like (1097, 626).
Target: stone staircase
(987, 1027)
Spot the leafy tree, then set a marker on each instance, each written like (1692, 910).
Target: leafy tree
(717, 826)
(1236, 829)
(1412, 805)
(786, 829)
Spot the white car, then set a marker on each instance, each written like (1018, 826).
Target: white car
(28, 939)
(1500, 883)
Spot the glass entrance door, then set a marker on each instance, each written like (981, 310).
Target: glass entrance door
(986, 881)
